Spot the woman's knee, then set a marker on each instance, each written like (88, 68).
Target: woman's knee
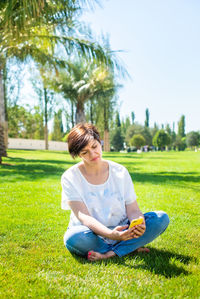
(163, 219)
(157, 220)
(79, 239)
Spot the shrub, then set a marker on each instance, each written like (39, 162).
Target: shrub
(137, 141)
(161, 139)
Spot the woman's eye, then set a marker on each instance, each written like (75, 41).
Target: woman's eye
(94, 146)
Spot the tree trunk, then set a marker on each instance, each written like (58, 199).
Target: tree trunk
(91, 111)
(72, 114)
(106, 141)
(46, 119)
(80, 114)
(5, 106)
(106, 127)
(2, 119)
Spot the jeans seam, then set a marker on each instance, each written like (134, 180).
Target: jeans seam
(74, 249)
(117, 252)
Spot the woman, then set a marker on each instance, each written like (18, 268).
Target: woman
(102, 200)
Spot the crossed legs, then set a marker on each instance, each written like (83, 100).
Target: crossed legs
(82, 241)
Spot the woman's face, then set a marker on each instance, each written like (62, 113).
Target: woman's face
(91, 153)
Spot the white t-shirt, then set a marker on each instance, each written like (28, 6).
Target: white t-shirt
(105, 202)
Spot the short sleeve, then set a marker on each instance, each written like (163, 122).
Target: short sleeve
(69, 193)
(129, 192)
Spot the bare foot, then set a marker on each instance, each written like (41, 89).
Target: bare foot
(95, 256)
(143, 249)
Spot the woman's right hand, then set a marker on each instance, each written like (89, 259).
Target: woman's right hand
(122, 233)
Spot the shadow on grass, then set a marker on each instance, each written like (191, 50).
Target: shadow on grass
(120, 156)
(159, 262)
(167, 178)
(33, 169)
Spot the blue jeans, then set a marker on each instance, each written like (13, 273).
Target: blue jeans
(80, 239)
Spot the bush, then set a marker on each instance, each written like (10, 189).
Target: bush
(180, 143)
(161, 139)
(117, 140)
(193, 139)
(137, 141)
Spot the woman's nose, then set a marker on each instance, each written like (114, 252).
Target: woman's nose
(92, 153)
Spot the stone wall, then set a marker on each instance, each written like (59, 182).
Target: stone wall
(18, 143)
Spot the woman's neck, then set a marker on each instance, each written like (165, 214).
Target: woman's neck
(93, 170)
(97, 174)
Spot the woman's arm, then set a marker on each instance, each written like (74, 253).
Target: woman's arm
(81, 212)
(133, 211)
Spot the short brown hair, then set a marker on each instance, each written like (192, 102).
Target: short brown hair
(80, 136)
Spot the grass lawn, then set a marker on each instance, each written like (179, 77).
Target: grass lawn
(34, 262)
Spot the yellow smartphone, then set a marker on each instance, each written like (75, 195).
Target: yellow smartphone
(135, 222)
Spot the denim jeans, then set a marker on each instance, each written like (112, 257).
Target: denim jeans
(80, 239)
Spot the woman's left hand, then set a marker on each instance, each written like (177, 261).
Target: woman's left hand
(139, 230)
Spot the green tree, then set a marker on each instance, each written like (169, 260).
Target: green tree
(132, 117)
(137, 140)
(139, 129)
(193, 139)
(154, 130)
(38, 123)
(147, 118)
(125, 124)
(117, 139)
(16, 120)
(132, 130)
(25, 122)
(146, 133)
(181, 127)
(180, 143)
(84, 81)
(161, 139)
(117, 120)
(57, 133)
(45, 97)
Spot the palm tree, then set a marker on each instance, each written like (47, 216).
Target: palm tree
(82, 82)
(106, 105)
(32, 29)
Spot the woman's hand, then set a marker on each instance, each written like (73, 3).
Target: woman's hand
(139, 230)
(121, 233)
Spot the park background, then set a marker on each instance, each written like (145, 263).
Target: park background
(55, 72)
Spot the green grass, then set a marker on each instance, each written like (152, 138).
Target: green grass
(34, 262)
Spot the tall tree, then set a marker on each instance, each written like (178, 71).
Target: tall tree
(117, 121)
(139, 129)
(147, 118)
(193, 139)
(125, 124)
(117, 139)
(46, 98)
(181, 126)
(132, 117)
(137, 140)
(25, 122)
(161, 139)
(57, 133)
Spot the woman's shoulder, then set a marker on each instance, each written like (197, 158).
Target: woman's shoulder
(116, 167)
(70, 172)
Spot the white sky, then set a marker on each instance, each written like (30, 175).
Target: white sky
(161, 40)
